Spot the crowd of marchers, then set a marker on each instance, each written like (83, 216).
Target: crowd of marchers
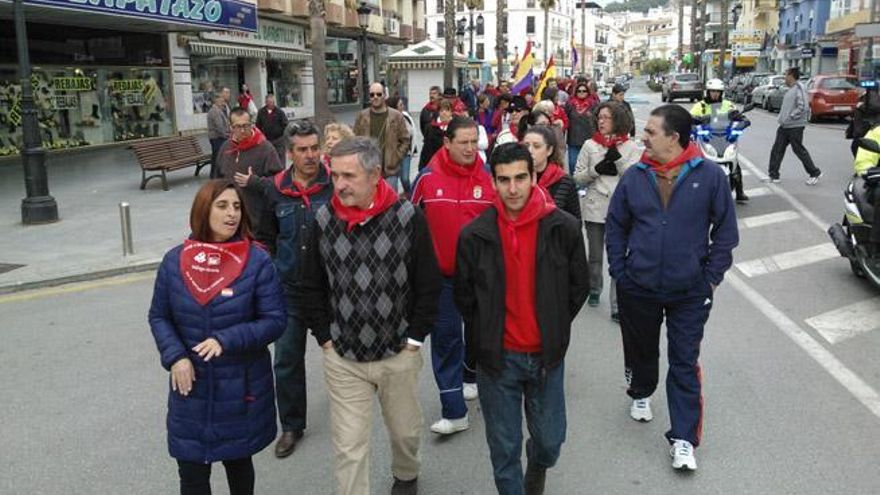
(483, 254)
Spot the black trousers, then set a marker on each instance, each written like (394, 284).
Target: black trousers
(216, 143)
(793, 136)
(195, 478)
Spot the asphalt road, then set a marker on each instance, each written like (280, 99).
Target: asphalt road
(789, 361)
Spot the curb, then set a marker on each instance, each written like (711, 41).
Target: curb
(143, 266)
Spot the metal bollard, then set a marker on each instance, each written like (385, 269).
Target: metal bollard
(125, 220)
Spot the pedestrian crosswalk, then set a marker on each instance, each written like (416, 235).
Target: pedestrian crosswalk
(847, 322)
(758, 192)
(768, 219)
(788, 260)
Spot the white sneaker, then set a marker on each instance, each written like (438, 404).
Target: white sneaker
(450, 426)
(813, 180)
(469, 390)
(641, 410)
(682, 453)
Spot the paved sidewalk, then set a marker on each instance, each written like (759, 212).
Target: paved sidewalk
(87, 242)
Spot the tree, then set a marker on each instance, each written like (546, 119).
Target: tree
(722, 52)
(500, 41)
(449, 39)
(656, 66)
(318, 27)
(546, 5)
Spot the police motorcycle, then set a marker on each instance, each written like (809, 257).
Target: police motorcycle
(852, 236)
(717, 134)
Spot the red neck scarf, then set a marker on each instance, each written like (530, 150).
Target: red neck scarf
(440, 124)
(286, 185)
(609, 141)
(688, 154)
(352, 215)
(209, 269)
(581, 105)
(539, 205)
(448, 167)
(238, 146)
(550, 175)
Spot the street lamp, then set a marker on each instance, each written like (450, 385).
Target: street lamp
(363, 13)
(38, 206)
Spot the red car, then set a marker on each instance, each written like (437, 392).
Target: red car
(833, 95)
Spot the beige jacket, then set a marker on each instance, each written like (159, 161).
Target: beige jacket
(594, 205)
(397, 139)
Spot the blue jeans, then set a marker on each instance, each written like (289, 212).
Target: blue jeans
(290, 374)
(573, 152)
(404, 174)
(502, 398)
(447, 354)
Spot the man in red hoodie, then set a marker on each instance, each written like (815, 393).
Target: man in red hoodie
(452, 190)
(521, 278)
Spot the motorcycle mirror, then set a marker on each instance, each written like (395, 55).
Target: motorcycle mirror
(869, 144)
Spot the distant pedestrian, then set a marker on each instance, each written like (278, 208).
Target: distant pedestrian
(618, 94)
(292, 198)
(582, 122)
(369, 292)
(246, 150)
(246, 101)
(452, 190)
(272, 121)
(218, 129)
(518, 109)
(602, 161)
(543, 144)
(428, 113)
(458, 106)
(333, 133)
(793, 117)
(387, 127)
(217, 305)
(500, 116)
(670, 232)
(521, 278)
(436, 131)
(399, 104)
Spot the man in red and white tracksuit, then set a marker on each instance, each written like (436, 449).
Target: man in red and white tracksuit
(453, 189)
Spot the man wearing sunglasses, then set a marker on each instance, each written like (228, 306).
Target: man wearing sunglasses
(388, 128)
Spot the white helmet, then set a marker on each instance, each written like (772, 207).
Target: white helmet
(715, 85)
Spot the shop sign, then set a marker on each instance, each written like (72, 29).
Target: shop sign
(807, 53)
(130, 91)
(65, 102)
(217, 14)
(73, 83)
(269, 33)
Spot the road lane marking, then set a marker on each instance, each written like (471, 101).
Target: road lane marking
(846, 377)
(744, 172)
(847, 322)
(76, 287)
(758, 191)
(768, 219)
(788, 260)
(797, 205)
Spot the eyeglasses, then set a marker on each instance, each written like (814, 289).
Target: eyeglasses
(376, 95)
(241, 127)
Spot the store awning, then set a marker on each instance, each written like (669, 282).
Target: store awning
(289, 55)
(224, 50)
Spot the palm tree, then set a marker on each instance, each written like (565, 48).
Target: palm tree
(725, 6)
(547, 5)
(318, 27)
(500, 31)
(449, 39)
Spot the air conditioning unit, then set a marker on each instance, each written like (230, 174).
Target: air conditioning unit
(392, 26)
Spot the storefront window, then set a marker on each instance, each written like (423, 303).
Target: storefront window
(285, 83)
(86, 106)
(209, 75)
(342, 71)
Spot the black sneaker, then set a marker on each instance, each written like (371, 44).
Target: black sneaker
(615, 317)
(533, 482)
(401, 487)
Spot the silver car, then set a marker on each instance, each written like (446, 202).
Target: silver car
(682, 86)
(759, 94)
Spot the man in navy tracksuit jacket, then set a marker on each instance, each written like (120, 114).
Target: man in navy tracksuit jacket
(670, 231)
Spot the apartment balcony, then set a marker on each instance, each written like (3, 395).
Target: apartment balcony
(335, 14)
(273, 6)
(846, 22)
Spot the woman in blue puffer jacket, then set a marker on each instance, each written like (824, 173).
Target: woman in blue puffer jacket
(217, 305)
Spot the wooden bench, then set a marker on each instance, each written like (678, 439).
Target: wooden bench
(168, 154)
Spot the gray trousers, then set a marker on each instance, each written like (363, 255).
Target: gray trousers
(595, 255)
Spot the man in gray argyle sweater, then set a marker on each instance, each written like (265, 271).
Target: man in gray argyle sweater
(369, 290)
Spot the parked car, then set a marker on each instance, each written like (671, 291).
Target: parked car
(759, 94)
(681, 86)
(774, 95)
(732, 85)
(742, 93)
(623, 81)
(833, 95)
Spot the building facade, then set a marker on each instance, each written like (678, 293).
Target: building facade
(801, 24)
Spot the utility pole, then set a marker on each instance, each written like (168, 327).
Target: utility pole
(681, 30)
(725, 6)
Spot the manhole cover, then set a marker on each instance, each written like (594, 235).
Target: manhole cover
(7, 267)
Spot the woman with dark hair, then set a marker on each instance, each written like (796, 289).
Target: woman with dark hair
(398, 103)
(435, 131)
(546, 154)
(601, 162)
(519, 112)
(581, 122)
(217, 305)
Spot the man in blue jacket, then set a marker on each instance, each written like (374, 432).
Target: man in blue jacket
(670, 233)
(292, 198)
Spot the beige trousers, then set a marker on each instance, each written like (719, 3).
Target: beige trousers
(351, 386)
